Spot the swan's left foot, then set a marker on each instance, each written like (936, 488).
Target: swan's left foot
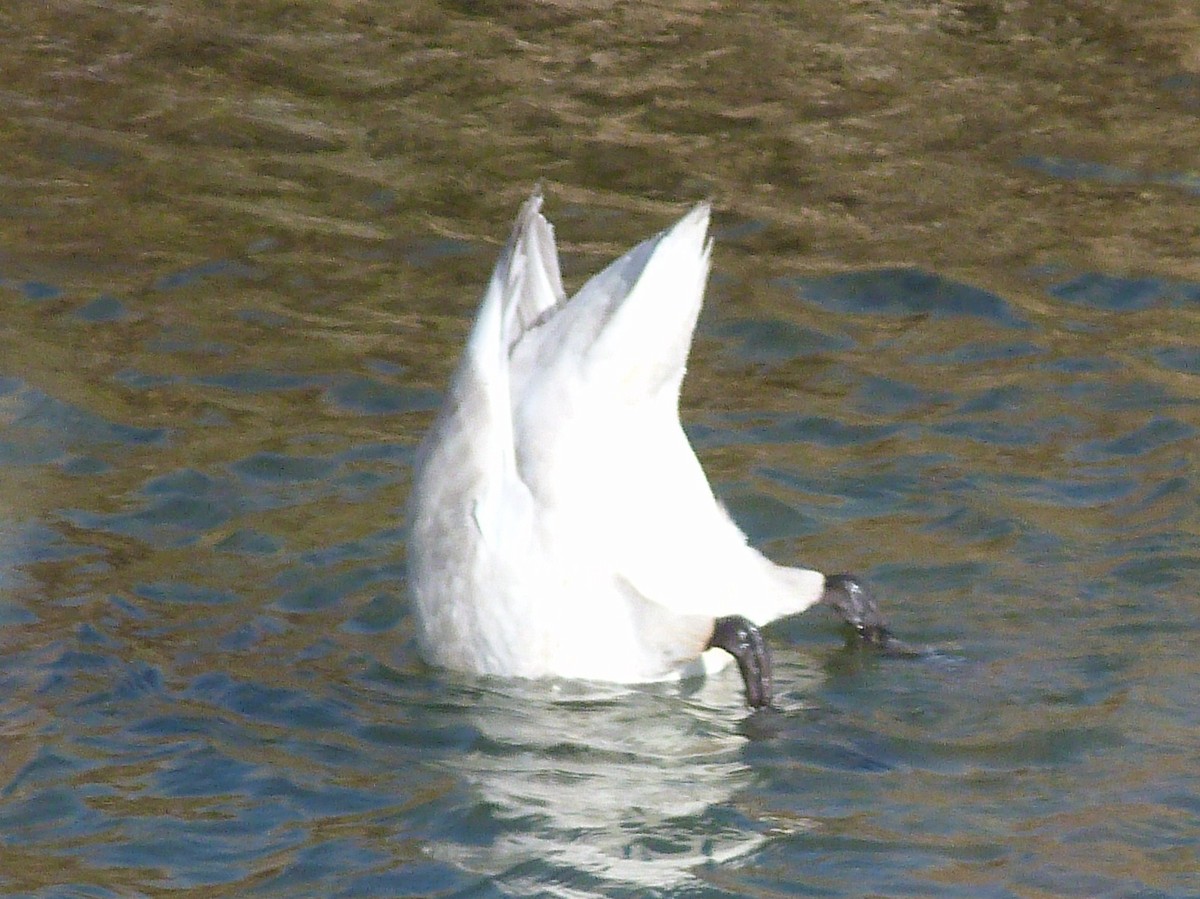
(741, 639)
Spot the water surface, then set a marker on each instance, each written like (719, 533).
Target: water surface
(951, 344)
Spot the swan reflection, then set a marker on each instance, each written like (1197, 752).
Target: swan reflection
(608, 785)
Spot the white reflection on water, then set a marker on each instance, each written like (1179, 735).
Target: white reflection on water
(629, 786)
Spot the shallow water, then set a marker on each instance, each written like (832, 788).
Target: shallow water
(951, 344)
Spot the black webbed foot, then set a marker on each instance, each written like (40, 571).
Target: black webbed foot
(850, 598)
(847, 596)
(740, 638)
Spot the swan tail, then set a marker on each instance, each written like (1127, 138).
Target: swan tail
(476, 430)
(525, 286)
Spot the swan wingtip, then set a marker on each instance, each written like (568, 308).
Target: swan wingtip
(699, 219)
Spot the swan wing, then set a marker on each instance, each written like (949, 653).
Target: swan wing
(598, 442)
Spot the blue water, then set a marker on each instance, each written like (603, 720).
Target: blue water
(208, 679)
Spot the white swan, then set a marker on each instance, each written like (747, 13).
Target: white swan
(561, 524)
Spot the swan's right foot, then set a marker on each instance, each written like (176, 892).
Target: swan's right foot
(740, 638)
(850, 598)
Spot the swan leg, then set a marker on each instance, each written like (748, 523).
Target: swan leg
(741, 639)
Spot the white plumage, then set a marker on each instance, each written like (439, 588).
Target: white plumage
(561, 524)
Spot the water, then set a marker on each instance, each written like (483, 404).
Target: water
(951, 344)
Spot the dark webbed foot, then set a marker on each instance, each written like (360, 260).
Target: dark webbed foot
(740, 638)
(850, 598)
(847, 596)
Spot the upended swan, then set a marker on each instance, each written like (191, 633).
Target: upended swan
(560, 522)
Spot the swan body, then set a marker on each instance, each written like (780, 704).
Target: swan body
(561, 524)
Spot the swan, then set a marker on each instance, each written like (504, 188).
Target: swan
(560, 522)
